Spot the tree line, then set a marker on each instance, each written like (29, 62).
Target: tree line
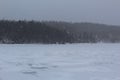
(31, 32)
(20, 32)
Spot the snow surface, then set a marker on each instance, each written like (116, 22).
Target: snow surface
(60, 62)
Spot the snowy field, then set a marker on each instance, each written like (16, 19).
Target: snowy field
(60, 62)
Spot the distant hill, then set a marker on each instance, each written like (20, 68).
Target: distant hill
(100, 32)
(56, 32)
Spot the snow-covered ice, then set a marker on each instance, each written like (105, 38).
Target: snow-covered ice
(60, 62)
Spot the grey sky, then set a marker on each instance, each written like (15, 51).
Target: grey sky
(101, 11)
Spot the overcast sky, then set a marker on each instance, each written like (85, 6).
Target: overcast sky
(100, 11)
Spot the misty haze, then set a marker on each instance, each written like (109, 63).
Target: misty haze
(59, 40)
